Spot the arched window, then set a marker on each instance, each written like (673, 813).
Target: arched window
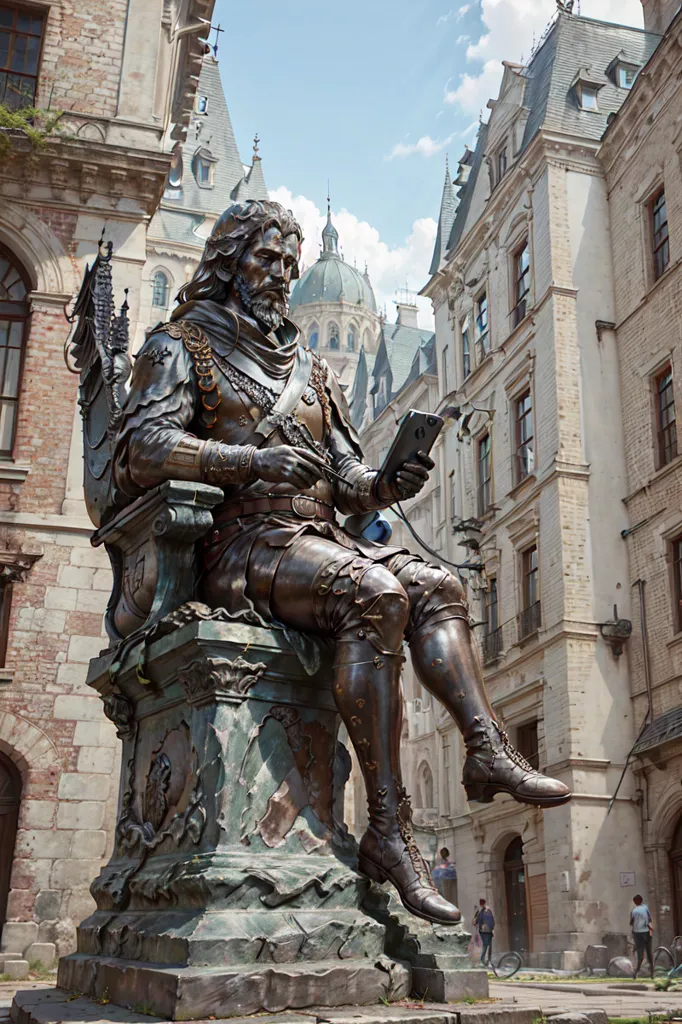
(313, 336)
(350, 339)
(14, 311)
(160, 290)
(425, 780)
(333, 337)
(175, 172)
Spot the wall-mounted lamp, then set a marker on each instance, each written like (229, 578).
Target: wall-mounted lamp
(464, 413)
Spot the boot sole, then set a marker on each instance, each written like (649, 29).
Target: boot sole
(377, 874)
(484, 793)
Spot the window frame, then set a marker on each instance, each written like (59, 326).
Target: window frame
(17, 312)
(521, 278)
(676, 568)
(484, 489)
(660, 236)
(465, 331)
(314, 329)
(351, 332)
(41, 15)
(523, 443)
(502, 161)
(525, 732)
(337, 347)
(586, 89)
(482, 333)
(623, 68)
(530, 616)
(666, 426)
(160, 272)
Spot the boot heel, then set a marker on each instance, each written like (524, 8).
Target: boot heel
(372, 870)
(478, 792)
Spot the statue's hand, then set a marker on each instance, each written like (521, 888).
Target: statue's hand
(286, 465)
(408, 481)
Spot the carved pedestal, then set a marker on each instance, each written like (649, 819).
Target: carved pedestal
(232, 886)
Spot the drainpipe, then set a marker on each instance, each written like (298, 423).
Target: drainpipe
(640, 584)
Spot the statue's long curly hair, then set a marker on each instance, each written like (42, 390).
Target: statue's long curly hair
(231, 236)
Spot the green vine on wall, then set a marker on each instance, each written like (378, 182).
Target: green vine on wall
(37, 126)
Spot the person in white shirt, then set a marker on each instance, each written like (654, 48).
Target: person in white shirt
(642, 932)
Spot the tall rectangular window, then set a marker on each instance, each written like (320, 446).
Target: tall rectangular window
(482, 335)
(527, 743)
(484, 475)
(521, 283)
(20, 38)
(466, 348)
(677, 583)
(502, 163)
(524, 457)
(492, 638)
(529, 619)
(665, 417)
(444, 373)
(661, 241)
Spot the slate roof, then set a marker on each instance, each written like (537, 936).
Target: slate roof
(572, 43)
(211, 131)
(359, 390)
(398, 346)
(448, 206)
(663, 729)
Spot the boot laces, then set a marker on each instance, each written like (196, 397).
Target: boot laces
(514, 755)
(404, 816)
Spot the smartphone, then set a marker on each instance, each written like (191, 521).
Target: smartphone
(417, 433)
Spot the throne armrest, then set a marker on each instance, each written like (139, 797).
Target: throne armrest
(151, 545)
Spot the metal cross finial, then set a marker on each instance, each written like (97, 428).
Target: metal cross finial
(217, 29)
(329, 202)
(256, 140)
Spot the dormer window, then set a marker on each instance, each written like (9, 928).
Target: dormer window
(626, 76)
(586, 88)
(588, 98)
(623, 71)
(201, 105)
(202, 165)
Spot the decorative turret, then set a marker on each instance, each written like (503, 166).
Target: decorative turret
(448, 208)
(330, 236)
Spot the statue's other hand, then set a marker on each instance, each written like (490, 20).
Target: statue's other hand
(411, 477)
(284, 464)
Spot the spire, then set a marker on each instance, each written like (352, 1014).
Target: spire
(330, 236)
(448, 208)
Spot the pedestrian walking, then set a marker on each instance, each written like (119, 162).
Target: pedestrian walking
(642, 932)
(484, 920)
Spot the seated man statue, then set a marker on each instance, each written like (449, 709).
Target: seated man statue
(225, 394)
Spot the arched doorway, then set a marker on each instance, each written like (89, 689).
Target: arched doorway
(676, 875)
(515, 891)
(10, 798)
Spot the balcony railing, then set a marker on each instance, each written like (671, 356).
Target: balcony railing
(530, 620)
(492, 645)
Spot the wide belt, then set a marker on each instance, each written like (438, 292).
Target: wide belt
(298, 504)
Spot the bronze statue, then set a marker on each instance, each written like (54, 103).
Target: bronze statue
(224, 394)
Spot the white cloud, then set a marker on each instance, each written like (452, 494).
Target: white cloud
(509, 29)
(390, 269)
(426, 146)
(464, 9)
(444, 17)
(462, 39)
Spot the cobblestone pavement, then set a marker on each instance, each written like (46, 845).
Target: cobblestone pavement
(625, 1002)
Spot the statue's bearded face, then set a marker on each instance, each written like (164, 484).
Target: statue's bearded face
(264, 275)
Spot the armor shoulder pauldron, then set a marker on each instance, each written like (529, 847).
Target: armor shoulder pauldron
(199, 347)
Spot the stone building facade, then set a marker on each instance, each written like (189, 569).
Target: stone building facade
(642, 157)
(523, 293)
(124, 73)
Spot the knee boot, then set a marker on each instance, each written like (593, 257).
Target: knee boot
(447, 665)
(367, 694)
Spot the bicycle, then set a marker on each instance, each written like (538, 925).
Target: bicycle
(507, 965)
(666, 963)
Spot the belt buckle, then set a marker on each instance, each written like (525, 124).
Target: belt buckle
(294, 505)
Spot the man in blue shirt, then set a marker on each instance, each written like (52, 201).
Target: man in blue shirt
(642, 932)
(484, 919)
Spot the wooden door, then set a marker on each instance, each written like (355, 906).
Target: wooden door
(515, 885)
(539, 911)
(10, 798)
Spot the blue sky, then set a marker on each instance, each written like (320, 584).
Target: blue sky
(371, 95)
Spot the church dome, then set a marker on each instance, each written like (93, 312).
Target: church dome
(332, 280)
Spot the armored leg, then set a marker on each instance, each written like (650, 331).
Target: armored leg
(321, 587)
(447, 665)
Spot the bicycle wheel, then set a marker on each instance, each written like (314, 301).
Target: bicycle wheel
(664, 961)
(507, 965)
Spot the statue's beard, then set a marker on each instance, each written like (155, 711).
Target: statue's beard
(265, 307)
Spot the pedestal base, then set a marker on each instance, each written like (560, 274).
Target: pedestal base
(189, 993)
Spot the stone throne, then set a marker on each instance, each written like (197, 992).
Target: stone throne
(233, 885)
